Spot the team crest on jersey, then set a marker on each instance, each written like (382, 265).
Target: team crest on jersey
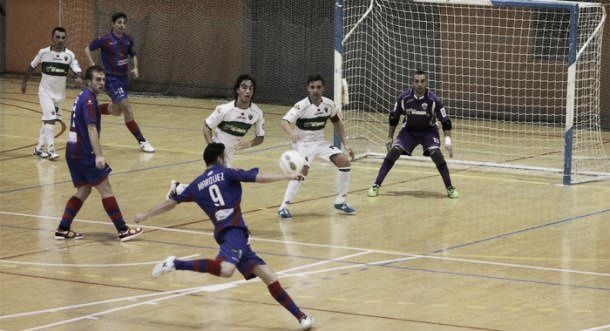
(65, 58)
(250, 116)
(424, 106)
(297, 106)
(326, 110)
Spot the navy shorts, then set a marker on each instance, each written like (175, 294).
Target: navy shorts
(235, 249)
(409, 140)
(116, 87)
(84, 172)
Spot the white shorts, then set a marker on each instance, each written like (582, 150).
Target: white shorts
(322, 149)
(49, 106)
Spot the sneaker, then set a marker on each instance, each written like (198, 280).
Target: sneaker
(344, 207)
(130, 233)
(40, 153)
(452, 193)
(373, 191)
(53, 156)
(164, 267)
(172, 193)
(67, 234)
(284, 213)
(146, 147)
(306, 322)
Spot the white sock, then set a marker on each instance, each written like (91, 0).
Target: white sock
(291, 192)
(180, 188)
(343, 178)
(41, 137)
(50, 137)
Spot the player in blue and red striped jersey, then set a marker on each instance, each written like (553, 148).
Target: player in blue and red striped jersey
(88, 167)
(421, 109)
(218, 192)
(116, 48)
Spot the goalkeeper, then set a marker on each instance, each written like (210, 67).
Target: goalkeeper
(421, 109)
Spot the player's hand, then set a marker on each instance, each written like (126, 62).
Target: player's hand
(100, 162)
(242, 145)
(135, 73)
(24, 86)
(140, 217)
(388, 144)
(300, 177)
(350, 152)
(449, 146)
(294, 137)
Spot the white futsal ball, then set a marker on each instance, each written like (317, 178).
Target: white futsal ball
(291, 162)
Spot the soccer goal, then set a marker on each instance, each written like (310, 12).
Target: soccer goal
(520, 79)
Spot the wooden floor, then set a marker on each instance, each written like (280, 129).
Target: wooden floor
(517, 251)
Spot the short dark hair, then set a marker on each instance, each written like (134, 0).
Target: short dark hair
(315, 78)
(91, 70)
(212, 152)
(238, 82)
(420, 72)
(118, 15)
(58, 28)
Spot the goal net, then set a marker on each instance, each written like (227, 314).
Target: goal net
(520, 80)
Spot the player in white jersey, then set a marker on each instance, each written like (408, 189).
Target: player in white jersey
(305, 123)
(230, 122)
(56, 61)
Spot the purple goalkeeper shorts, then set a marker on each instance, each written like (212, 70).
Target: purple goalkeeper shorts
(235, 249)
(116, 87)
(408, 140)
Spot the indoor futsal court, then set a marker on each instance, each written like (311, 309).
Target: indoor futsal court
(517, 251)
(526, 246)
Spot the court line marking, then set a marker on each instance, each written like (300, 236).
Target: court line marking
(424, 256)
(186, 291)
(598, 328)
(109, 265)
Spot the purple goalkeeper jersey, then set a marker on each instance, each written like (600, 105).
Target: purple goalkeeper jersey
(218, 192)
(420, 113)
(84, 113)
(115, 52)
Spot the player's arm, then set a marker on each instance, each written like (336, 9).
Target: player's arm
(290, 131)
(249, 143)
(207, 133)
(340, 131)
(89, 57)
(264, 178)
(94, 138)
(28, 73)
(393, 120)
(135, 71)
(441, 115)
(161, 208)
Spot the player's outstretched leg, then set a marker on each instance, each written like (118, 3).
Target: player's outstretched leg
(164, 267)
(266, 274)
(386, 166)
(439, 160)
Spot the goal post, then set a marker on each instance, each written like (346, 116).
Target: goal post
(520, 79)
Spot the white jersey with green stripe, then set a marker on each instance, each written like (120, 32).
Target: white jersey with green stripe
(54, 68)
(231, 123)
(310, 119)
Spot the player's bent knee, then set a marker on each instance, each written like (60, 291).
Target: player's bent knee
(437, 157)
(393, 154)
(226, 269)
